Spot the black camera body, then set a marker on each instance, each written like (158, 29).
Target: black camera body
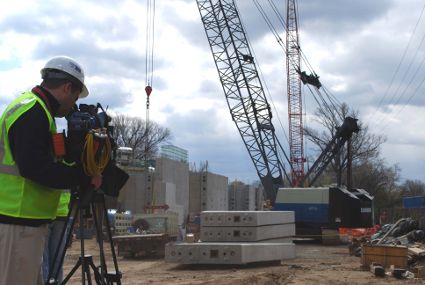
(87, 117)
(81, 121)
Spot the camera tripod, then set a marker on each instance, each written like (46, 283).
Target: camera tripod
(83, 204)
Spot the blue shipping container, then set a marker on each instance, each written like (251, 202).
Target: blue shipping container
(413, 202)
(306, 212)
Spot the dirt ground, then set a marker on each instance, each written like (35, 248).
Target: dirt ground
(314, 264)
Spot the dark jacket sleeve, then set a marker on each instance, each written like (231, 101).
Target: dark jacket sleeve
(30, 141)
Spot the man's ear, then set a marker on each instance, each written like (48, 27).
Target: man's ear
(67, 87)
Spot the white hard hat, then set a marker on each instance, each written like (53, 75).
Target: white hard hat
(67, 65)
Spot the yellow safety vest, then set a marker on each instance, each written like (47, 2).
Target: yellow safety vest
(63, 206)
(21, 197)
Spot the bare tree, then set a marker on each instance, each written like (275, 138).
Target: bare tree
(365, 147)
(201, 167)
(379, 180)
(143, 138)
(412, 188)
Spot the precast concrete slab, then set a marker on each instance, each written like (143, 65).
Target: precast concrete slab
(278, 240)
(242, 234)
(245, 218)
(227, 253)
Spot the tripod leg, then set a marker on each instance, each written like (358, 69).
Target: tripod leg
(99, 237)
(78, 264)
(55, 265)
(100, 280)
(116, 277)
(87, 272)
(82, 253)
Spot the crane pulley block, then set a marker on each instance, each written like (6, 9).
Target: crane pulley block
(312, 79)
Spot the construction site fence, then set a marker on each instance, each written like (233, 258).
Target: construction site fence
(392, 215)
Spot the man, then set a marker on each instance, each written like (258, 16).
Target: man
(31, 177)
(56, 241)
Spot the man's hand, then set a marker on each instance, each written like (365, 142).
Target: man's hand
(96, 181)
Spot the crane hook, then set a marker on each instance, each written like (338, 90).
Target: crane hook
(148, 90)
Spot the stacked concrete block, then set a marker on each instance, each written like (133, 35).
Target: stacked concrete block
(246, 226)
(156, 222)
(227, 253)
(238, 237)
(246, 218)
(247, 234)
(122, 223)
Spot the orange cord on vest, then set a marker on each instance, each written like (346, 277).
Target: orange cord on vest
(59, 144)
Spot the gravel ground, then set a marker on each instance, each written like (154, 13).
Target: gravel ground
(314, 264)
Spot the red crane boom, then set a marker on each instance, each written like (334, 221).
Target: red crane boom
(295, 111)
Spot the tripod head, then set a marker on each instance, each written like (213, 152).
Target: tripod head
(84, 196)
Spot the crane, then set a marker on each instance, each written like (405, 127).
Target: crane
(243, 90)
(248, 104)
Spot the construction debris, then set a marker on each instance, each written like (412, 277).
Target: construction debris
(377, 269)
(396, 250)
(386, 255)
(398, 273)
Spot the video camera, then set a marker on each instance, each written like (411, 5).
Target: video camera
(90, 124)
(87, 117)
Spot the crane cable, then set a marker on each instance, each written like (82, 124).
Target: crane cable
(96, 152)
(332, 99)
(150, 42)
(149, 69)
(334, 102)
(267, 94)
(399, 65)
(408, 84)
(260, 75)
(411, 96)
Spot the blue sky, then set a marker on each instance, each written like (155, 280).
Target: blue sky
(355, 47)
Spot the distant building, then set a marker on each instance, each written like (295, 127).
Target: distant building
(207, 192)
(173, 152)
(125, 155)
(166, 184)
(243, 197)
